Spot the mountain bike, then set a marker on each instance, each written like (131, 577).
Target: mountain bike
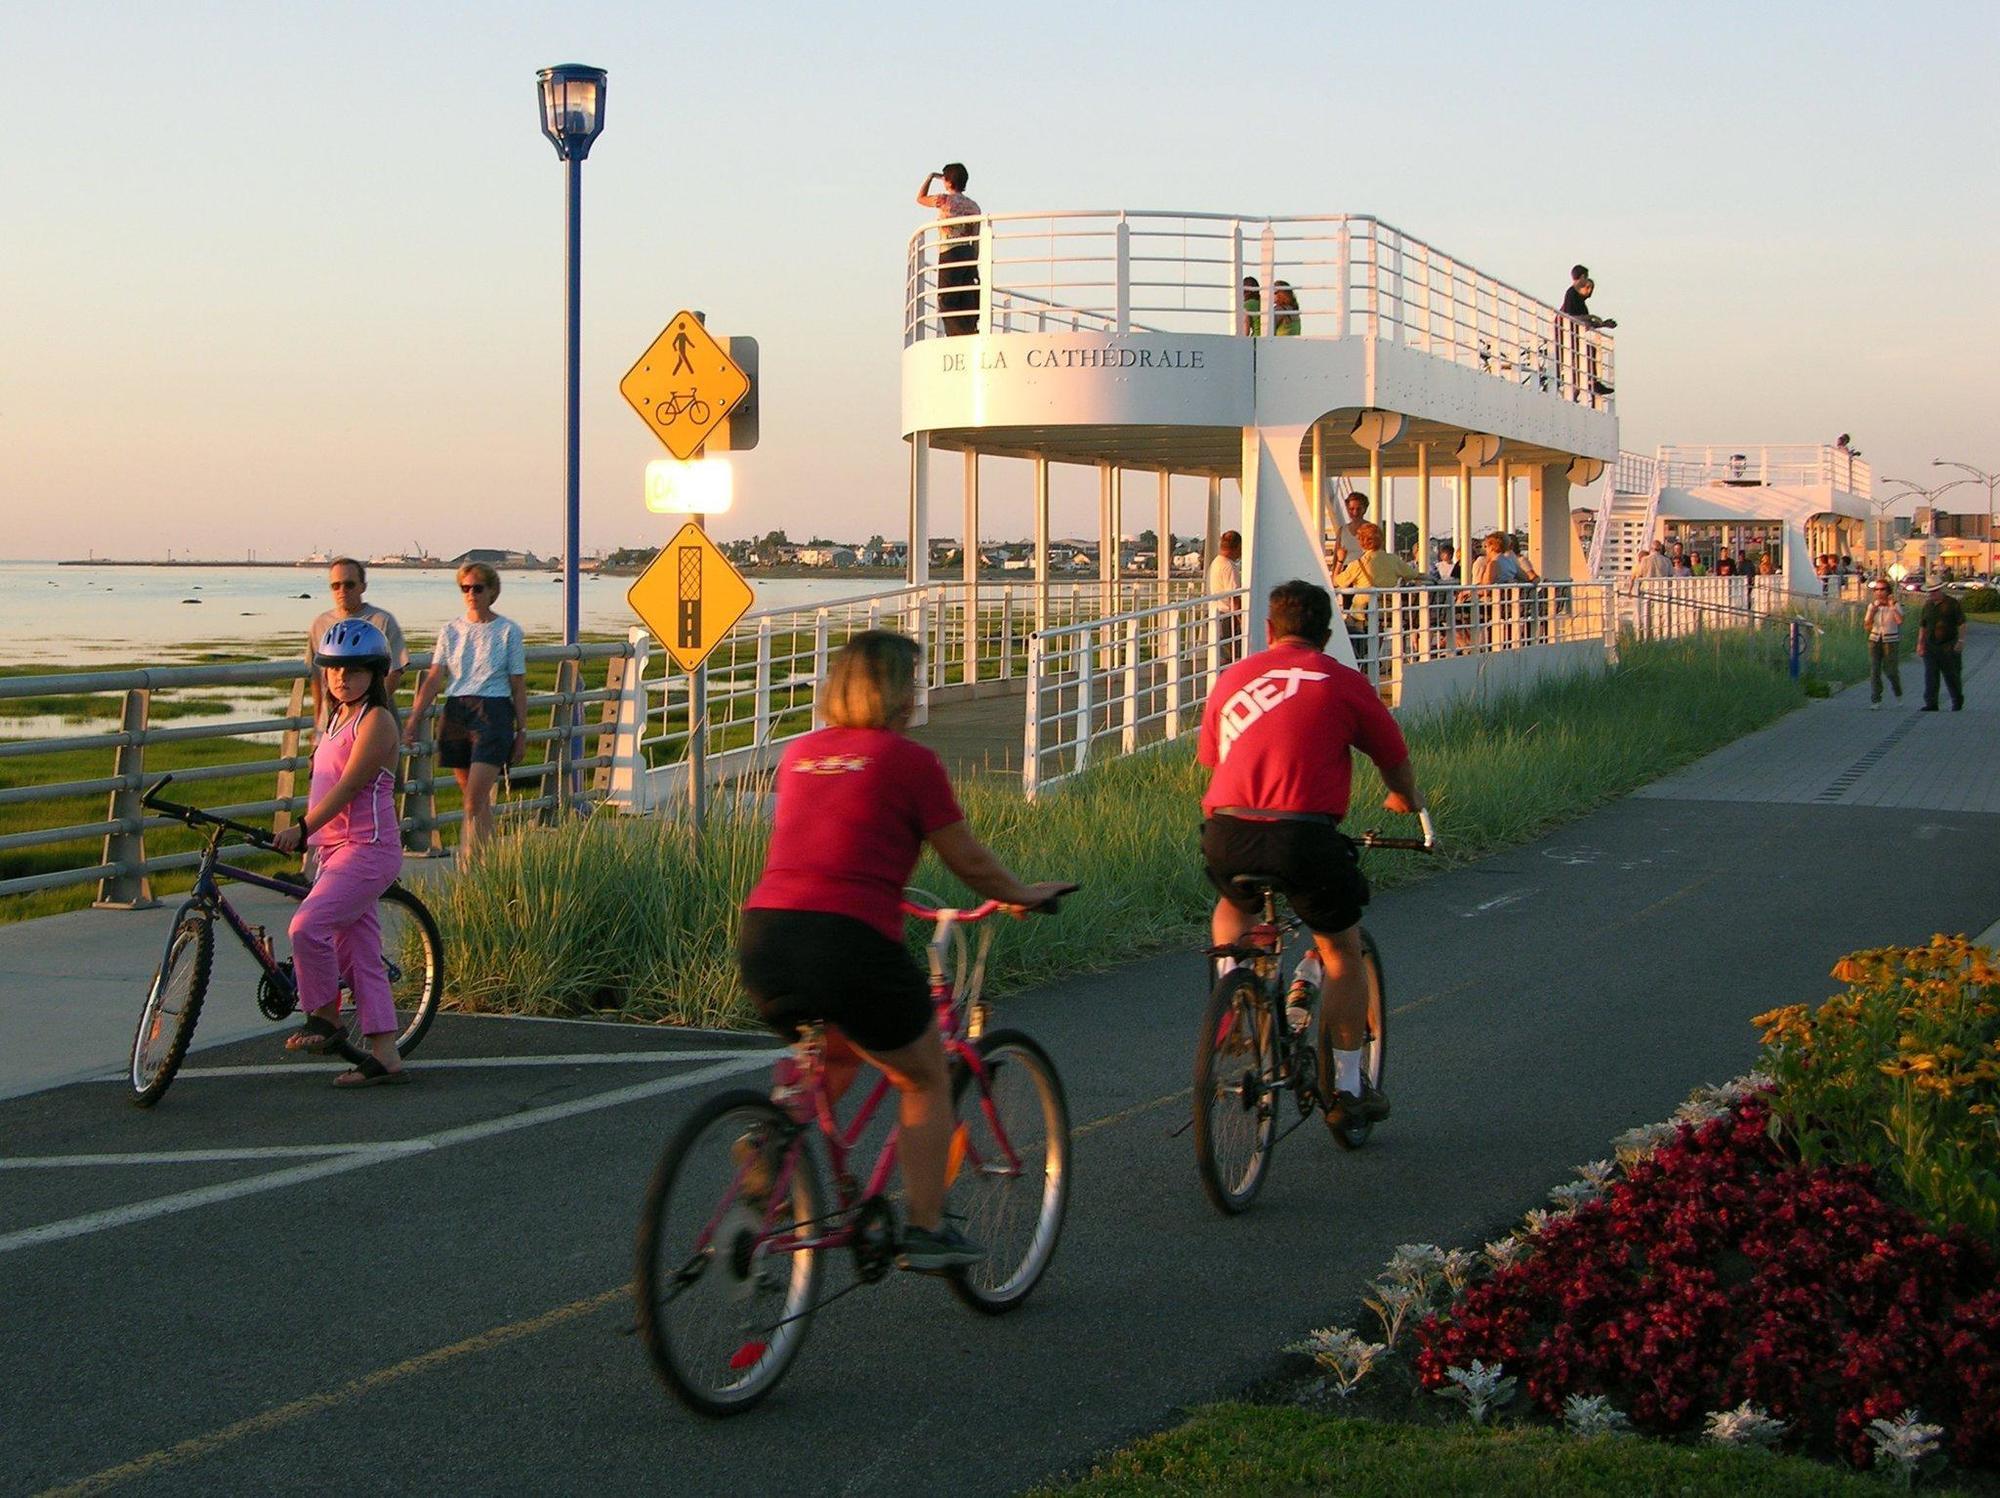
(737, 1223)
(411, 951)
(1247, 1057)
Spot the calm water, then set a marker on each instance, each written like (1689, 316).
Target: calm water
(74, 618)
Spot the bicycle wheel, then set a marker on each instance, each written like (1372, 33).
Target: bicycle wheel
(414, 956)
(1008, 1172)
(1374, 1044)
(173, 1004)
(1235, 1101)
(724, 1297)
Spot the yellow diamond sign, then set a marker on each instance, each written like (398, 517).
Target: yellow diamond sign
(684, 385)
(690, 596)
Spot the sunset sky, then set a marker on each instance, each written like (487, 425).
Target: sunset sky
(285, 277)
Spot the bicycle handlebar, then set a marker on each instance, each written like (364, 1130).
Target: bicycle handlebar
(981, 911)
(1428, 843)
(193, 814)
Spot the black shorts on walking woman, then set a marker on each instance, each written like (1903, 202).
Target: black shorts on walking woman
(476, 731)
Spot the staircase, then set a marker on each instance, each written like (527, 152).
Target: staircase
(1624, 531)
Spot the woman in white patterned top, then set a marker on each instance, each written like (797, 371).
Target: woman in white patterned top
(485, 722)
(958, 251)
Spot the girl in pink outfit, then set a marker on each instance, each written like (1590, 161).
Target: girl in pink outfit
(350, 822)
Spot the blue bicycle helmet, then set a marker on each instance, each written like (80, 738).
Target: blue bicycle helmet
(353, 642)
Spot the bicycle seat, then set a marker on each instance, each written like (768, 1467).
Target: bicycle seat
(1257, 884)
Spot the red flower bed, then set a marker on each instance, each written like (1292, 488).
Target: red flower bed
(1719, 1271)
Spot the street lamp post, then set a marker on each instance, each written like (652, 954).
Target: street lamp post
(1978, 476)
(572, 108)
(1928, 496)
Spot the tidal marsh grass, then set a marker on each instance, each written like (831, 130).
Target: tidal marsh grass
(619, 916)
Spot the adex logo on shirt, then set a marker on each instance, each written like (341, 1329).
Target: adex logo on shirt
(831, 764)
(1254, 699)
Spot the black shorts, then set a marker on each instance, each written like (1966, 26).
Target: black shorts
(805, 965)
(476, 731)
(1317, 862)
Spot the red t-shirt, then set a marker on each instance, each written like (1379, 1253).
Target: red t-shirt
(854, 808)
(1278, 727)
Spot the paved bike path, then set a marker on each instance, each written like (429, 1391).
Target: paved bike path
(450, 1315)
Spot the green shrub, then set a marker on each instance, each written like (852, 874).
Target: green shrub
(1981, 600)
(1901, 1072)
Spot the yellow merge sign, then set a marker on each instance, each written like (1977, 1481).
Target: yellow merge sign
(690, 596)
(684, 385)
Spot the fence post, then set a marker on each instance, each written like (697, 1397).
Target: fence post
(129, 888)
(420, 829)
(1124, 303)
(558, 752)
(288, 750)
(1083, 703)
(606, 746)
(760, 728)
(925, 653)
(629, 779)
(1007, 634)
(1175, 647)
(819, 664)
(1130, 738)
(1031, 746)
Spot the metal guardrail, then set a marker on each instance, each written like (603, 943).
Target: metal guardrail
(1345, 276)
(124, 869)
(1121, 683)
(1684, 466)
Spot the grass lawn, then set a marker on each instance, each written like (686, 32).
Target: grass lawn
(1278, 1450)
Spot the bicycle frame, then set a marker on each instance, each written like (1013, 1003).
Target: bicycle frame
(961, 1015)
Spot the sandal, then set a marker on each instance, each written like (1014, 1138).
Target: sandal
(316, 1037)
(368, 1072)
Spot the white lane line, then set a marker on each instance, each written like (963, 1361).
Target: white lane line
(480, 1063)
(186, 1157)
(1496, 902)
(465, 1063)
(208, 1196)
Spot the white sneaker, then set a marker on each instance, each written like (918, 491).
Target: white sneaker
(1875, 706)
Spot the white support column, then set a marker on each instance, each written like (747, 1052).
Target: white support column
(969, 606)
(1041, 543)
(1461, 520)
(1423, 557)
(1375, 496)
(1211, 536)
(1319, 488)
(918, 569)
(1552, 545)
(1277, 523)
(1504, 516)
(1163, 534)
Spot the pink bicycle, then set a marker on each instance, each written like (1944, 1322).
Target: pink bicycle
(736, 1220)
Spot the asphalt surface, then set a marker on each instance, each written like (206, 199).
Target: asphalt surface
(452, 1314)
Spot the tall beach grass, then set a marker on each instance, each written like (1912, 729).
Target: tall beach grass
(627, 918)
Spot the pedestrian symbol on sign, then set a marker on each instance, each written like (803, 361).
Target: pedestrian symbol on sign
(681, 346)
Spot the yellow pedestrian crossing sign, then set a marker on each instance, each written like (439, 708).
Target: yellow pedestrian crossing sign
(684, 386)
(690, 596)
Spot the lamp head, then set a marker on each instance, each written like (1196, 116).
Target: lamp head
(572, 100)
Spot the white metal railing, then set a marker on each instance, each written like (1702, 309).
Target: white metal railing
(1635, 473)
(1324, 276)
(1119, 684)
(1684, 467)
(762, 681)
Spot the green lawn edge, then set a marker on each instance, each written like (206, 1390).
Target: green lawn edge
(1273, 1450)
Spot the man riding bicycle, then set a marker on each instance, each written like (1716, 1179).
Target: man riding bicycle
(1277, 732)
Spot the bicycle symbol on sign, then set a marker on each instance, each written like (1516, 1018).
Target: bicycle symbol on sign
(679, 404)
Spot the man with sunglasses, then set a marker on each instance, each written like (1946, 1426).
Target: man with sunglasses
(347, 580)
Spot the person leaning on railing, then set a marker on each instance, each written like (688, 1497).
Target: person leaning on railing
(1374, 568)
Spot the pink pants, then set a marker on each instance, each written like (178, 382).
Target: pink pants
(335, 934)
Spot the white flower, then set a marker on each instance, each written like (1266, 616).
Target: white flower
(1344, 1355)
(1638, 1144)
(1598, 1173)
(1417, 1264)
(1905, 1442)
(1396, 1303)
(1572, 1194)
(1480, 1388)
(1505, 1253)
(1746, 1425)
(1593, 1415)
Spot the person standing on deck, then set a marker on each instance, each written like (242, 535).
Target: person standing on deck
(958, 249)
(1225, 576)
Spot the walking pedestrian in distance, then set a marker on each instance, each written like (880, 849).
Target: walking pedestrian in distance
(347, 581)
(485, 727)
(1941, 642)
(1884, 623)
(958, 249)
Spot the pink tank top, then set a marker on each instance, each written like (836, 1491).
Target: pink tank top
(371, 816)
